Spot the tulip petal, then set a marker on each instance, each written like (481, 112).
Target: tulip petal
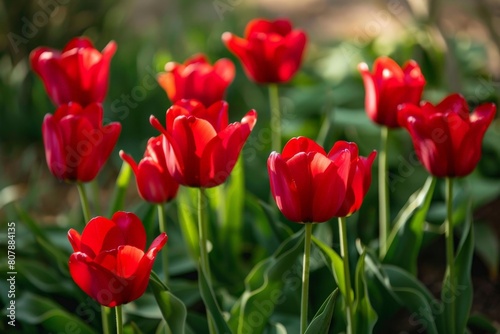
(74, 239)
(128, 261)
(131, 228)
(283, 188)
(54, 143)
(301, 144)
(100, 234)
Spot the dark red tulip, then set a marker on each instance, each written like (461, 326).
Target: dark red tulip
(197, 79)
(109, 262)
(201, 148)
(76, 143)
(270, 52)
(154, 182)
(79, 73)
(388, 86)
(309, 185)
(447, 138)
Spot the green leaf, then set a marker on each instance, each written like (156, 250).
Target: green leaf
(122, 182)
(426, 310)
(481, 323)
(44, 277)
(208, 296)
(365, 316)
(487, 247)
(187, 204)
(36, 310)
(406, 236)
(321, 322)
(172, 308)
(263, 287)
(334, 263)
(461, 292)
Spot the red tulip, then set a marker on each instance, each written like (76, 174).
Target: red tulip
(197, 79)
(76, 143)
(109, 262)
(201, 148)
(447, 139)
(271, 51)
(154, 182)
(309, 185)
(77, 74)
(388, 87)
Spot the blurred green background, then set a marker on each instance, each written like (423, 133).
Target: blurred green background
(457, 44)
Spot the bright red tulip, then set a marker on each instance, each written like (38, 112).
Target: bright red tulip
(109, 262)
(446, 137)
(197, 79)
(309, 185)
(154, 182)
(201, 148)
(271, 52)
(79, 73)
(388, 86)
(76, 143)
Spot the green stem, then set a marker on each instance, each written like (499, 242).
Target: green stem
(274, 102)
(105, 319)
(205, 265)
(305, 278)
(383, 191)
(450, 253)
(163, 228)
(85, 202)
(347, 274)
(119, 319)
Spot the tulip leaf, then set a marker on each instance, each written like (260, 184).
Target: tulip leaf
(321, 322)
(172, 308)
(334, 263)
(263, 287)
(365, 316)
(122, 182)
(213, 310)
(406, 236)
(411, 293)
(461, 291)
(487, 246)
(43, 277)
(187, 211)
(36, 310)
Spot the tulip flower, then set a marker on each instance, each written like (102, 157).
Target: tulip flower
(309, 185)
(201, 148)
(154, 182)
(197, 79)
(270, 52)
(388, 86)
(76, 143)
(109, 262)
(447, 138)
(79, 73)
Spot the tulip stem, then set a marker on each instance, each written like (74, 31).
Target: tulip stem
(119, 319)
(449, 253)
(383, 192)
(205, 264)
(347, 274)
(163, 228)
(305, 278)
(85, 202)
(274, 102)
(105, 319)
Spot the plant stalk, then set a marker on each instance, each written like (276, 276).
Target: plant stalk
(274, 102)
(305, 278)
(383, 191)
(85, 202)
(119, 319)
(344, 252)
(163, 228)
(450, 258)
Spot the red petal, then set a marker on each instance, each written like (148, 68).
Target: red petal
(54, 143)
(128, 260)
(131, 228)
(301, 144)
(75, 240)
(283, 188)
(100, 234)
